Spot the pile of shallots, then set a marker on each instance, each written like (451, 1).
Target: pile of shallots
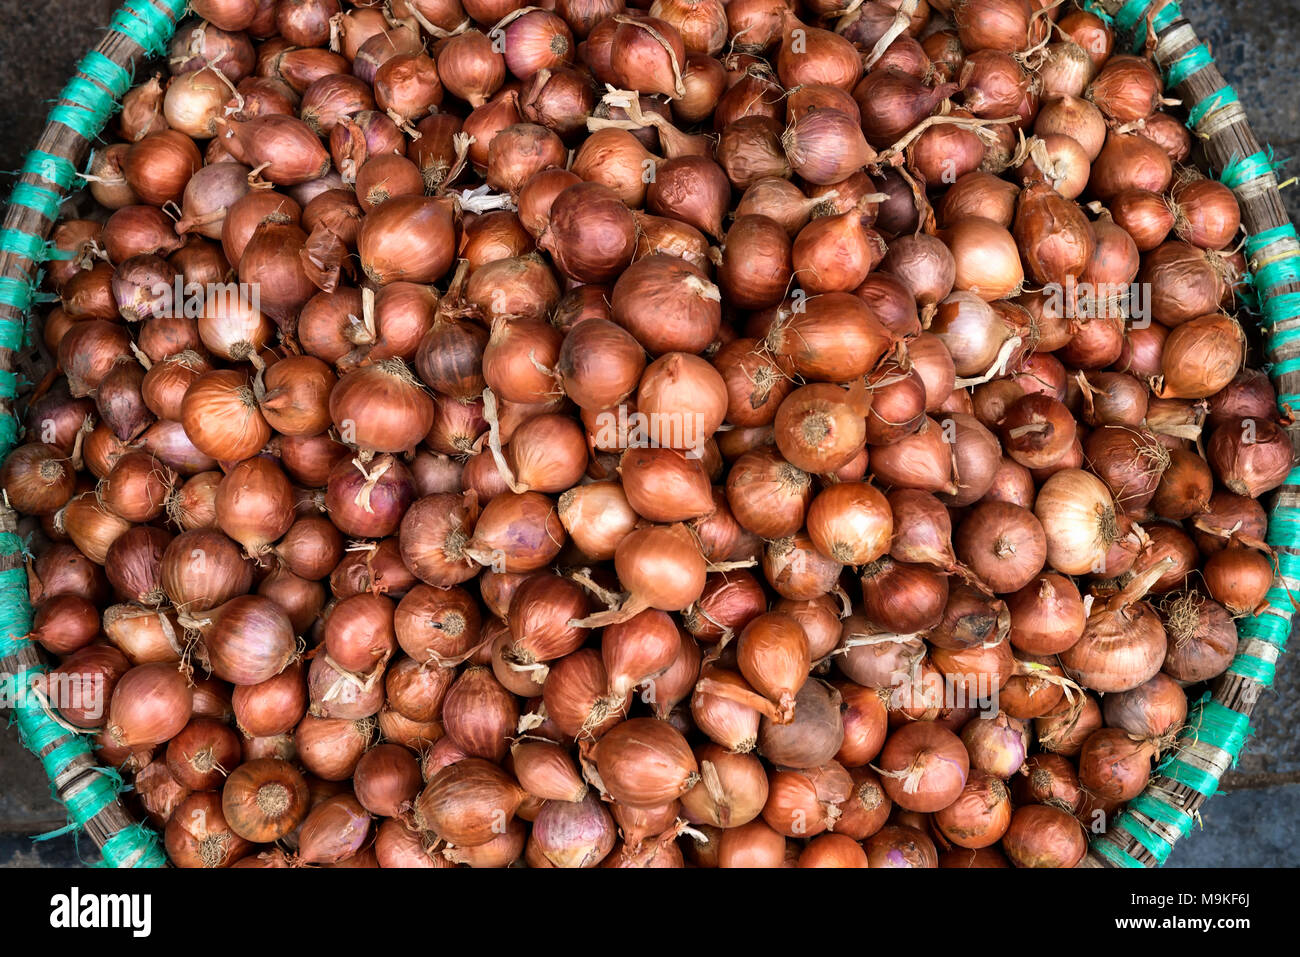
(726, 434)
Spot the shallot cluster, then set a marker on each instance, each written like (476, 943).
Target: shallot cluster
(691, 433)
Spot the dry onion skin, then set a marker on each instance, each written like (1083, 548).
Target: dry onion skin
(654, 440)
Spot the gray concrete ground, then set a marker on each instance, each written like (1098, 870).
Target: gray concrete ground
(1257, 45)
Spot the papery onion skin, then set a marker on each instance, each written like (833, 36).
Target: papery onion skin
(1239, 578)
(924, 787)
(1218, 344)
(464, 803)
(1003, 544)
(1250, 456)
(224, 395)
(804, 803)
(1113, 766)
(975, 457)
(818, 428)
(264, 799)
(1120, 648)
(1203, 639)
(773, 655)
(151, 703)
(198, 834)
(334, 831)
(732, 789)
(574, 695)
(901, 846)
(667, 304)
(36, 479)
(574, 834)
(814, 734)
(980, 815)
(729, 723)
(768, 495)
(273, 706)
(381, 408)
(1043, 836)
(591, 234)
(383, 242)
(89, 676)
(645, 762)
(248, 639)
(1078, 514)
(987, 261)
(851, 523)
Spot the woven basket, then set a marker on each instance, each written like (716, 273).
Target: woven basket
(1143, 834)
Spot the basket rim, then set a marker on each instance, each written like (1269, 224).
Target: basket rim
(1218, 725)
(1142, 835)
(89, 793)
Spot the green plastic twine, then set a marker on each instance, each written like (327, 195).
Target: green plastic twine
(95, 794)
(1239, 171)
(1278, 269)
(1221, 727)
(54, 745)
(1146, 837)
(89, 95)
(1224, 96)
(1197, 779)
(43, 734)
(1130, 15)
(112, 76)
(44, 201)
(87, 111)
(1111, 851)
(1286, 365)
(63, 755)
(38, 732)
(1163, 812)
(1154, 809)
(1272, 629)
(14, 684)
(1193, 61)
(8, 431)
(24, 244)
(1281, 271)
(1279, 308)
(134, 846)
(1210, 723)
(17, 293)
(1288, 566)
(1128, 20)
(56, 169)
(149, 25)
(31, 247)
(1268, 237)
(1166, 15)
(1253, 669)
(1284, 527)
